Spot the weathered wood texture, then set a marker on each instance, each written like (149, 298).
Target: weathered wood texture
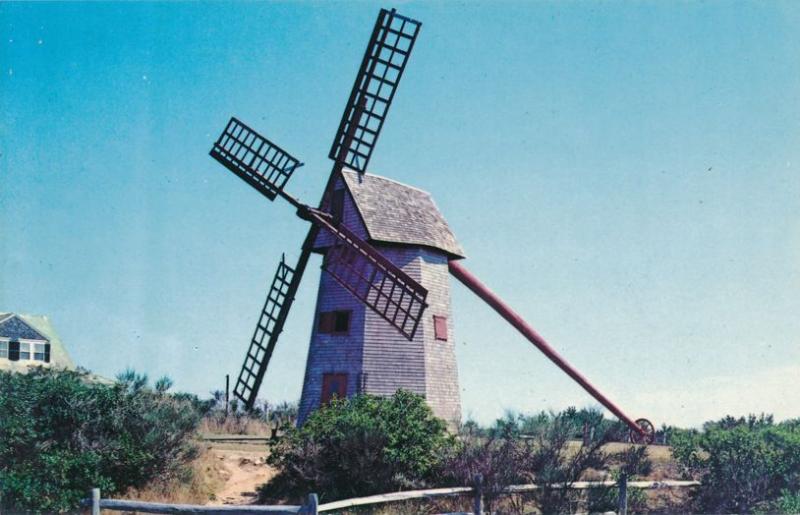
(154, 507)
(478, 503)
(235, 438)
(375, 356)
(394, 497)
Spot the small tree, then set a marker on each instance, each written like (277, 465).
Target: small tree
(359, 446)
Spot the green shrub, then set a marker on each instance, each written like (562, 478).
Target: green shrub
(547, 457)
(744, 464)
(61, 434)
(787, 503)
(359, 446)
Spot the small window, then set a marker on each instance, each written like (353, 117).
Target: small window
(24, 351)
(341, 322)
(4, 350)
(334, 322)
(38, 351)
(337, 206)
(440, 328)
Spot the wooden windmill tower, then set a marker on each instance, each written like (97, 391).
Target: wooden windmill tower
(353, 349)
(383, 308)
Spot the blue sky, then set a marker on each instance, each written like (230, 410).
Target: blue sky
(624, 174)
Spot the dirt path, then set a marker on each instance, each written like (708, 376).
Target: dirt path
(243, 471)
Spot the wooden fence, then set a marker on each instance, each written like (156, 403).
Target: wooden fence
(312, 506)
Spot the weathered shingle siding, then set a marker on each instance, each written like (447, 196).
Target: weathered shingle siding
(329, 353)
(441, 372)
(391, 362)
(350, 218)
(14, 328)
(376, 355)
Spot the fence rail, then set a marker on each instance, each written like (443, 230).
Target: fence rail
(235, 439)
(98, 504)
(312, 506)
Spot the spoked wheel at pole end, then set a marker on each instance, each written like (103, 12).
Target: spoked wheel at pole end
(649, 432)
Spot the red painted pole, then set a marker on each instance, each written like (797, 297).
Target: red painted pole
(477, 287)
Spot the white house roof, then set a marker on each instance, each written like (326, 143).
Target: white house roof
(396, 213)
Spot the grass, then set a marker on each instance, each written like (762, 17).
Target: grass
(204, 479)
(234, 425)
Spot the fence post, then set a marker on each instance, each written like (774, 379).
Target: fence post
(477, 506)
(95, 501)
(312, 505)
(623, 494)
(227, 393)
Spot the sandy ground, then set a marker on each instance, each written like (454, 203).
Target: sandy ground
(243, 471)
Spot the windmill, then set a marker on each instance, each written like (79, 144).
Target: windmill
(387, 254)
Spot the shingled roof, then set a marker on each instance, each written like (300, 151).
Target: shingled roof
(397, 213)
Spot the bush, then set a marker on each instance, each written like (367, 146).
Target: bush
(744, 464)
(61, 434)
(359, 446)
(546, 457)
(499, 461)
(634, 463)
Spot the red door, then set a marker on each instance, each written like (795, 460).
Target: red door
(333, 384)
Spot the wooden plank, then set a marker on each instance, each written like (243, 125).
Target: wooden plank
(394, 497)
(445, 492)
(235, 438)
(152, 507)
(585, 485)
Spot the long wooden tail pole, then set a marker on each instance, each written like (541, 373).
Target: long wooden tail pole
(477, 287)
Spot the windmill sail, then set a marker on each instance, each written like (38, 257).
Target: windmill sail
(270, 324)
(259, 162)
(385, 59)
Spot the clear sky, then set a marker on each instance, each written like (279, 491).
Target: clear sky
(624, 174)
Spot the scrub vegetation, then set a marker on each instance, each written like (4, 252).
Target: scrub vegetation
(62, 432)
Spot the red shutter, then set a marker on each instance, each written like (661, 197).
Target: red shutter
(440, 327)
(326, 322)
(333, 384)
